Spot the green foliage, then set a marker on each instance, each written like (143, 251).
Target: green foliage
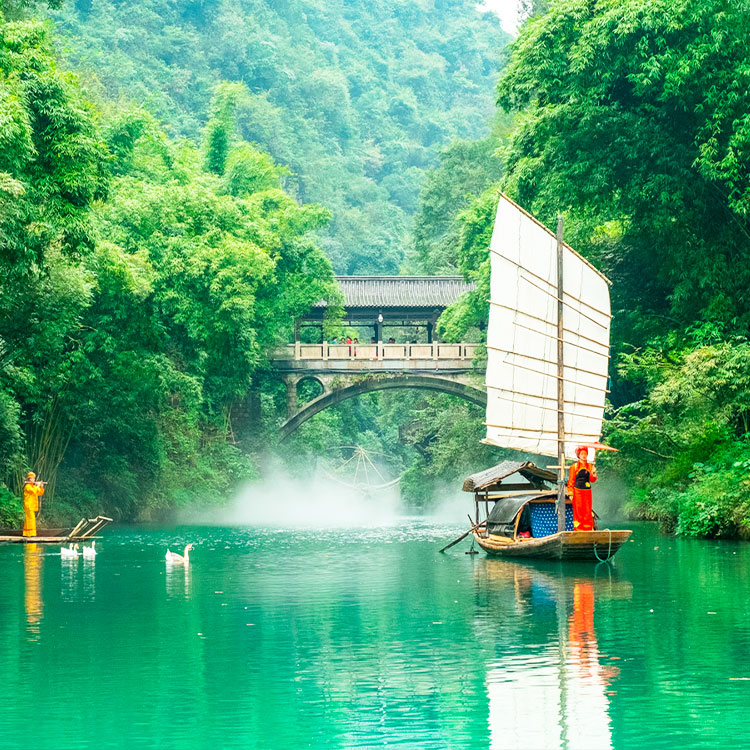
(11, 510)
(356, 97)
(248, 171)
(11, 444)
(472, 309)
(445, 434)
(633, 121)
(219, 133)
(685, 445)
(140, 292)
(465, 170)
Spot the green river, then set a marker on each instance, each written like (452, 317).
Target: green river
(332, 638)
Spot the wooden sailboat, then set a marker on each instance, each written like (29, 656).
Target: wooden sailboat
(547, 370)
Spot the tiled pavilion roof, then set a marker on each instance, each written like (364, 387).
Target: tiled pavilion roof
(400, 291)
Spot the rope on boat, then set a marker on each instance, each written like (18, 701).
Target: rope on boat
(609, 551)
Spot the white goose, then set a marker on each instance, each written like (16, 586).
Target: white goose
(175, 559)
(89, 553)
(70, 552)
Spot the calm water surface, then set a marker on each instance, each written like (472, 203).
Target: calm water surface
(276, 638)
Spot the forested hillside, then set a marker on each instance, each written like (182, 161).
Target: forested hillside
(142, 282)
(168, 210)
(631, 119)
(354, 97)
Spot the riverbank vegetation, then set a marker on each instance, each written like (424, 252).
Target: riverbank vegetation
(166, 212)
(144, 280)
(157, 232)
(631, 119)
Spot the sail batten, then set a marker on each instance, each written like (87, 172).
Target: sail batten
(524, 340)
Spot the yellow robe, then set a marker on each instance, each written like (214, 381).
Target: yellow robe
(31, 493)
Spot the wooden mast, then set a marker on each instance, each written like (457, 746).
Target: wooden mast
(560, 384)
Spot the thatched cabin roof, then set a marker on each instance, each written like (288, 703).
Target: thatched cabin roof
(483, 480)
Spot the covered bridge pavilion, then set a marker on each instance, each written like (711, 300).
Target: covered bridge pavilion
(380, 302)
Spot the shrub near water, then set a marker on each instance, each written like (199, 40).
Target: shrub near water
(686, 447)
(140, 290)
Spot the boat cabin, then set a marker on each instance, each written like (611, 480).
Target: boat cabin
(519, 501)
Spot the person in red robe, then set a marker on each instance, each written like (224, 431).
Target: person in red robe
(581, 475)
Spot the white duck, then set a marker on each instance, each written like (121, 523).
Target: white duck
(70, 552)
(89, 553)
(175, 559)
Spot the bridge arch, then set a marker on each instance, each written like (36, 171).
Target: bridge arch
(425, 382)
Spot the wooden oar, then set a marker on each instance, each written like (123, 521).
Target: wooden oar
(463, 536)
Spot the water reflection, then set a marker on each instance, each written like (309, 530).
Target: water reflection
(178, 581)
(89, 578)
(33, 561)
(547, 686)
(69, 583)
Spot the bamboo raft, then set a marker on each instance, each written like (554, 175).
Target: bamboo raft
(84, 530)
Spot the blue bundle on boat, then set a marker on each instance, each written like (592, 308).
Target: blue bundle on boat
(544, 518)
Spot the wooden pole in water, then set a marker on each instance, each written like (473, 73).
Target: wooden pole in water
(560, 384)
(463, 536)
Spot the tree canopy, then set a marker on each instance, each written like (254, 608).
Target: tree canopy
(631, 119)
(355, 98)
(141, 292)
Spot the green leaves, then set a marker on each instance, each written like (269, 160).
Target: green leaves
(356, 99)
(635, 113)
(140, 291)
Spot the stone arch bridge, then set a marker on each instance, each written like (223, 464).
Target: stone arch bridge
(343, 370)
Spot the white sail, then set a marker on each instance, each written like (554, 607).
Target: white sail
(522, 367)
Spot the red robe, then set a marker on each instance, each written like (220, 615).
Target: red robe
(583, 514)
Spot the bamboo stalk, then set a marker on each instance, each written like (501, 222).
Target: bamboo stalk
(76, 528)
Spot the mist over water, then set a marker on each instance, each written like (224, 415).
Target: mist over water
(319, 501)
(316, 502)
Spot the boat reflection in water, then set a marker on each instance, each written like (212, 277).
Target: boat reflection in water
(33, 562)
(553, 694)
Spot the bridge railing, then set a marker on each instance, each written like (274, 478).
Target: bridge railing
(327, 351)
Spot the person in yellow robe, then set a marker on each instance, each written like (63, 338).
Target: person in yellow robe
(31, 492)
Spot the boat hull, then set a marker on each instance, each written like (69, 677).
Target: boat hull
(565, 545)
